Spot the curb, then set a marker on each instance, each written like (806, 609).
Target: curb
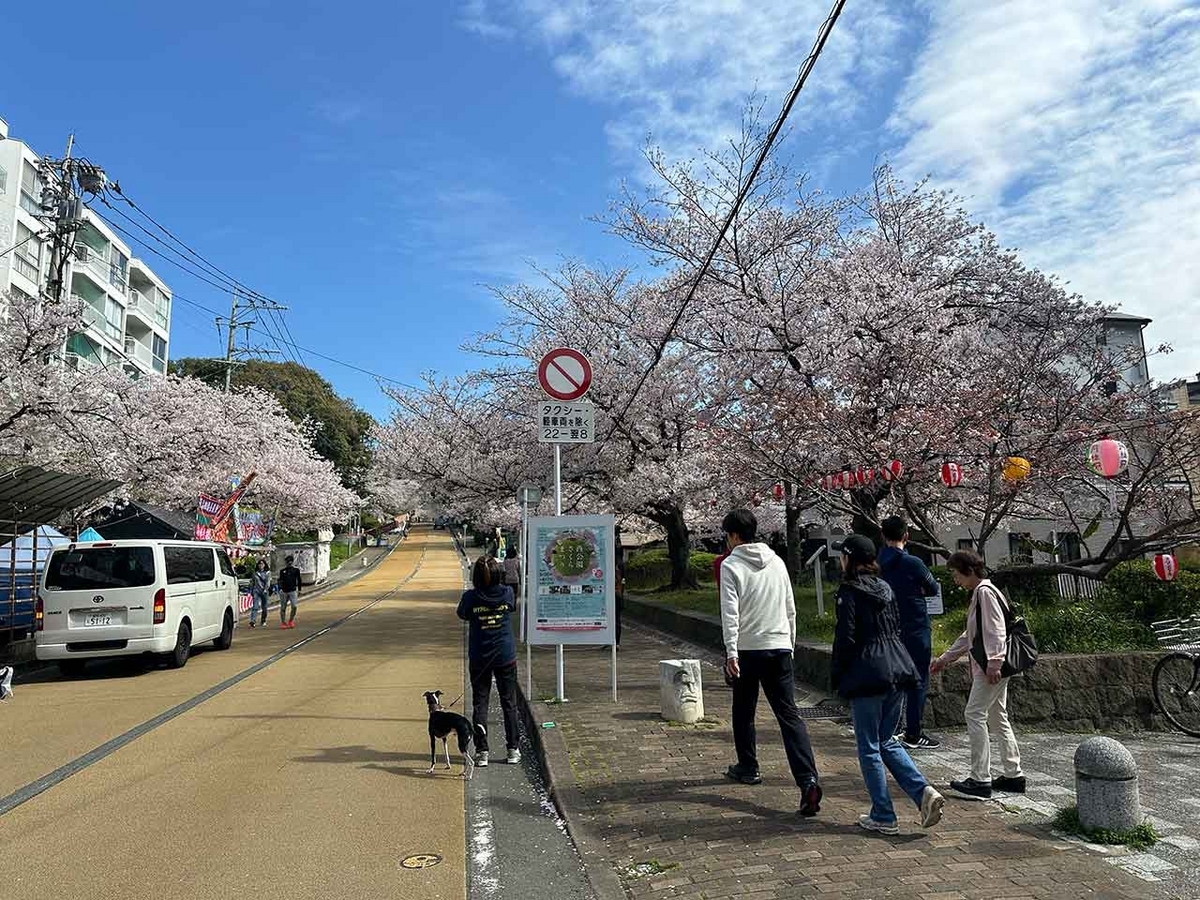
(555, 764)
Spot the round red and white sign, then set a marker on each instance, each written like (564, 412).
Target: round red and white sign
(565, 374)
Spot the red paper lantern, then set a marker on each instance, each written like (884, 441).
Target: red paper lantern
(1108, 457)
(864, 476)
(777, 491)
(952, 474)
(892, 471)
(829, 482)
(1166, 567)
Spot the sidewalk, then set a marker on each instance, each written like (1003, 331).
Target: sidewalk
(648, 801)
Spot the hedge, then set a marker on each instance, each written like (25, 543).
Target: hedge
(1132, 590)
(650, 570)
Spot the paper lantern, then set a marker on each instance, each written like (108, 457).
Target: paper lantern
(847, 480)
(1016, 468)
(952, 474)
(777, 491)
(864, 475)
(892, 471)
(830, 482)
(1166, 567)
(1108, 457)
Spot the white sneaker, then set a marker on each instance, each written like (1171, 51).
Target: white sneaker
(882, 827)
(514, 756)
(481, 759)
(931, 807)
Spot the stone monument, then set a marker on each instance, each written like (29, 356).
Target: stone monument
(680, 690)
(1106, 786)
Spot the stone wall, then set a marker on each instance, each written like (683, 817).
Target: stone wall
(1104, 692)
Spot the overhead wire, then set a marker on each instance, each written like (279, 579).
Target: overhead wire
(805, 69)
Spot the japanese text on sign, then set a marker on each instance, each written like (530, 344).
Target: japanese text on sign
(566, 423)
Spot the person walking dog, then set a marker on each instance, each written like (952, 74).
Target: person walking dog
(872, 669)
(986, 641)
(758, 623)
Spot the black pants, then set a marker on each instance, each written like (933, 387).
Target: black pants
(918, 647)
(773, 670)
(481, 692)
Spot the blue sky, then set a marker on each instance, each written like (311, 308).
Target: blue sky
(374, 165)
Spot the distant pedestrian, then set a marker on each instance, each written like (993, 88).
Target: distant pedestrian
(758, 623)
(911, 583)
(491, 653)
(986, 641)
(289, 592)
(260, 591)
(872, 669)
(512, 570)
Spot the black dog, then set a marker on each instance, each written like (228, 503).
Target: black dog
(441, 723)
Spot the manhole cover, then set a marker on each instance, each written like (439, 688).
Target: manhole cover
(420, 861)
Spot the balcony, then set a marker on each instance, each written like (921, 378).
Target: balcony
(95, 319)
(30, 204)
(81, 363)
(139, 353)
(95, 263)
(147, 307)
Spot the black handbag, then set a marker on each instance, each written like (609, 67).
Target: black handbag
(1020, 647)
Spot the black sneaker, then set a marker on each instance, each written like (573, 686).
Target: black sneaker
(743, 776)
(810, 799)
(1008, 785)
(924, 742)
(972, 789)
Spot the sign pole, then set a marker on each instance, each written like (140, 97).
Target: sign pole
(560, 688)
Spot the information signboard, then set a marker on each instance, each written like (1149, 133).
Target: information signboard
(566, 423)
(572, 588)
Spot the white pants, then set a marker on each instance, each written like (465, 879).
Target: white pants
(988, 705)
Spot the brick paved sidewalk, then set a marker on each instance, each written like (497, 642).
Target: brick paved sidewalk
(669, 823)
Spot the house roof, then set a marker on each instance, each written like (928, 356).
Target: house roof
(177, 521)
(1126, 317)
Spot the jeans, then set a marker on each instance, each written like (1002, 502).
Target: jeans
(481, 692)
(286, 597)
(918, 648)
(875, 721)
(773, 670)
(988, 705)
(260, 603)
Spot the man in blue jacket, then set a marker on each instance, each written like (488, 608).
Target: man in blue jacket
(912, 583)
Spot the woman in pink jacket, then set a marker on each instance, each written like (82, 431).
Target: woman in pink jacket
(985, 639)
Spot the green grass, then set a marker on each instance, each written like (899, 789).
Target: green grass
(1140, 837)
(339, 552)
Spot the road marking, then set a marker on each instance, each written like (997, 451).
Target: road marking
(62, 773)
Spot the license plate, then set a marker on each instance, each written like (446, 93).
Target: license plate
(98, 619)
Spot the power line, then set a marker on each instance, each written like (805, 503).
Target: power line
(805, 69)
(19, 244)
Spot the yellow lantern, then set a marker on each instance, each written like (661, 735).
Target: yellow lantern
(1016, 468)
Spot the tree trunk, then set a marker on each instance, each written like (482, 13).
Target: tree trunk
(679, 549)
(795, 538)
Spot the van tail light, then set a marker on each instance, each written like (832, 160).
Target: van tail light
(160, 606)
(39, 614)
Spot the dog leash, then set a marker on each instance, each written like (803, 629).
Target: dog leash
(460, 696)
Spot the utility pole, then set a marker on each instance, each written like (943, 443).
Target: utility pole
(242, 311)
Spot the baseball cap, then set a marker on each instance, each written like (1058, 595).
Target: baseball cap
(856, 546)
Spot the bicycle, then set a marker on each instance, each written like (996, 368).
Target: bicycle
(1176, 679)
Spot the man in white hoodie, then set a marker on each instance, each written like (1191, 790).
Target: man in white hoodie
(758, 620)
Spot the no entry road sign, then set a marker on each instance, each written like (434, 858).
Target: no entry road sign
(565, 374)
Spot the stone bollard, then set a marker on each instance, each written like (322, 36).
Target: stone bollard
(1106, 786)
(680, 691)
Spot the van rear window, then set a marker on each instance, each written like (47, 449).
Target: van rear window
(87, 569)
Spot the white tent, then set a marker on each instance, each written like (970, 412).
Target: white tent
(48, 539)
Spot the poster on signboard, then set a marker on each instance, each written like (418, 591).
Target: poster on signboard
(572, 584)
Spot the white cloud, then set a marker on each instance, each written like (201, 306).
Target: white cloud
(682, 72)
(1074, 128)
(477, 17)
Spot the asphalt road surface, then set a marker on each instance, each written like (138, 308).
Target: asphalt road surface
(291, 766)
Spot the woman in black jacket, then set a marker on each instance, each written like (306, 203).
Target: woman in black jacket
(872, 669)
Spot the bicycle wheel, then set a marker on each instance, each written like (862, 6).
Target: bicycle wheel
(1177, 691)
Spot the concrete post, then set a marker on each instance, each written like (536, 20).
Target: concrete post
(1106, 786)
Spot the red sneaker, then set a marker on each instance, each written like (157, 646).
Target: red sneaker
(283, 625)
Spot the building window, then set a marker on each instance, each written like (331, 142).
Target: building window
(3, 181)
(31, 190)
(965, 544)
(27, 254)
(1020, 548)
(159, 347)
(1070, 547)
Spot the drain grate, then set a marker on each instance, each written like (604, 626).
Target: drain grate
(824, 711)
(420, 861)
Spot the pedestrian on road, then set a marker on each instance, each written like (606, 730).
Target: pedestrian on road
(911, 583)
(492, 653)
(872, 670)
(986, 641)
(260, 591)
(758, 623)
(512, 570)
(289, 592)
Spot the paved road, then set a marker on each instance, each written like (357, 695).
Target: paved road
(305, 779)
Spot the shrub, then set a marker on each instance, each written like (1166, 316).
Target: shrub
(953, 597)
(651, 569)
(1085, 628)
(1132, 591)
(1027, 589)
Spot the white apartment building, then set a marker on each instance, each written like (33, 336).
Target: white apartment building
(126, 307)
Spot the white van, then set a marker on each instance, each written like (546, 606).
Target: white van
(119, 598)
